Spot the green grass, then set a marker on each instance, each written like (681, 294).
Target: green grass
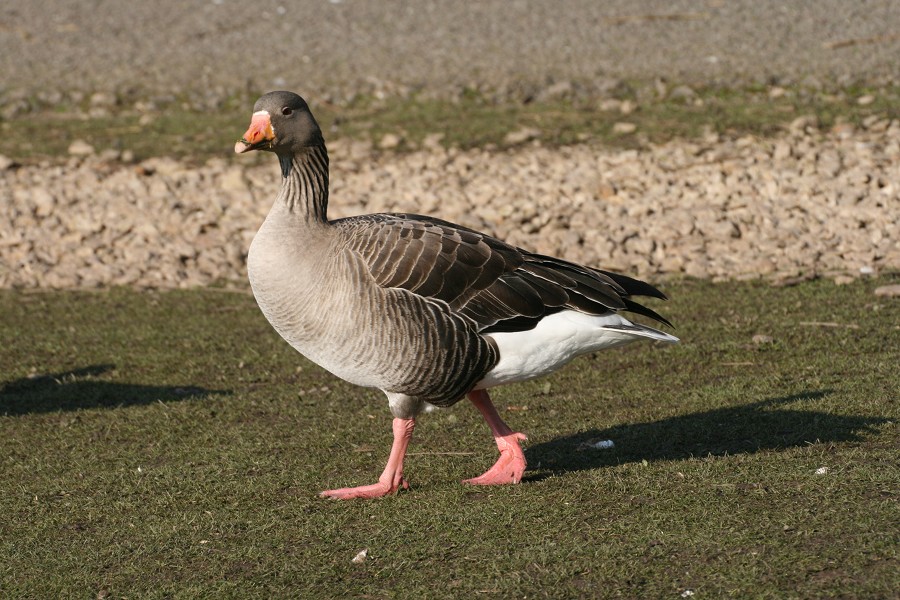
(472, 121)
(169, 444)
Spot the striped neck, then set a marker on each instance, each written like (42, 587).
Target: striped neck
(304, 187)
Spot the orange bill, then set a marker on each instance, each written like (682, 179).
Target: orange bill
(258, 135)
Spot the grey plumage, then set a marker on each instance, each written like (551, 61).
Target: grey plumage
(405, 303)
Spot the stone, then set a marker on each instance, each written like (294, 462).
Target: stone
(109, 155)
(682, 92)
(802, 123)
(626, 107)
(233, 181)
(843, 130)
(624, 128)
(610, 105)
(782, 151)
(103, 99)
(43, 202)
(432, 141)
(390, 141)
(556, 91)
(888, 291)
(80, 148)
(522, 135)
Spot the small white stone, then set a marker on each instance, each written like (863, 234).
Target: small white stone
(843, 280)
(610, 105)
(390, 141)
(623, 127)
(44, 202)
(682, 92)
(522, 135)
(888, 291)
(360, 556)
(80, 148)
(103, 99)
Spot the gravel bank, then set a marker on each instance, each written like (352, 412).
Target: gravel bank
(808, 203)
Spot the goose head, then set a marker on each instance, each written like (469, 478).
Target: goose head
(281, 123)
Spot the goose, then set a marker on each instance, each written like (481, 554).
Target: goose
(425, 310)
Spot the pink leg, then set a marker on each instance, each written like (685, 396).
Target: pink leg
(511, 464)
(392, 478)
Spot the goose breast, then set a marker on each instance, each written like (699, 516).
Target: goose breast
(334, 312)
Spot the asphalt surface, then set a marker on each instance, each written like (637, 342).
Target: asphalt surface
(314, 46)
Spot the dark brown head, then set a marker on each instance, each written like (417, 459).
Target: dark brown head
(281, 123)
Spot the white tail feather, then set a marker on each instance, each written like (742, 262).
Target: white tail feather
(559, 338)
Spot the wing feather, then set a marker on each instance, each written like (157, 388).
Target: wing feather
(497, 286)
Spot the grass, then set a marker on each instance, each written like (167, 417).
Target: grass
(169, 444)
(472, 121)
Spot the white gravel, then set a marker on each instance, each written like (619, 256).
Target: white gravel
(807, 203)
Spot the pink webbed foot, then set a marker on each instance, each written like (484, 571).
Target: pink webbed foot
(511, 464)
(509, 467)
(391, 479)
(376, 490)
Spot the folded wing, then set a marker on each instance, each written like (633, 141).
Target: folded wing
(496, 285)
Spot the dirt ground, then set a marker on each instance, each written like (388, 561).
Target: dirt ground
(315, 46)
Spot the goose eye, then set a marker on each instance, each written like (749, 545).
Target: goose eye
(287, 110)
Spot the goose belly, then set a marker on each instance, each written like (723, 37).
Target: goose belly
(556, 340)
(382, 338)
(310, 324)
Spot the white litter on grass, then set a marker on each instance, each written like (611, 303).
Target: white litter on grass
(360, 556)
(598, 445)
(822, 470)
(687, 593)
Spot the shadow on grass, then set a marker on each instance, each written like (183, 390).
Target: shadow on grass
(750, 428)
(77, 389)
